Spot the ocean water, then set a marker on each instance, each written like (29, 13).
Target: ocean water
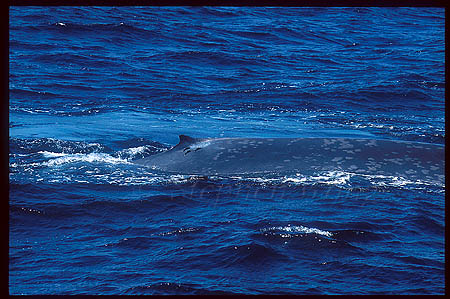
(94, 88)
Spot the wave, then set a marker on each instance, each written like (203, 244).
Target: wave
(29, 146)
(288, 231)
(120, 29)
(249, 255)
(89, 158)
(18, 92)
(73, 204)
(196, 58)
(53, 110)
(175, 288)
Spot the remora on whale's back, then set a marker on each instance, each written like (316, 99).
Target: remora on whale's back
(233, 156)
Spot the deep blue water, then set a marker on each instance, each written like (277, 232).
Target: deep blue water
(93, 88)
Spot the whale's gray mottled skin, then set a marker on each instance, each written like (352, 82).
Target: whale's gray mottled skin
(233, 156)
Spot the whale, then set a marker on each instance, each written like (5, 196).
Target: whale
(307, 156)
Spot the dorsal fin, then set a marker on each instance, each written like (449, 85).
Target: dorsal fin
(185, 140)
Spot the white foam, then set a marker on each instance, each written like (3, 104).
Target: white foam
(330, 178)
(135, 150)
(90, 158)
(47, 154)
(299, 229)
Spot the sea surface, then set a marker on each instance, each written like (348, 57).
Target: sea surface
(94, 88)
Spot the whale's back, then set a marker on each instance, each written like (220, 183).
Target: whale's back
(233, 156)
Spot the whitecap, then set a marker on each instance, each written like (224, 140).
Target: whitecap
(47, 154)
(299, 229)
(90, 158)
